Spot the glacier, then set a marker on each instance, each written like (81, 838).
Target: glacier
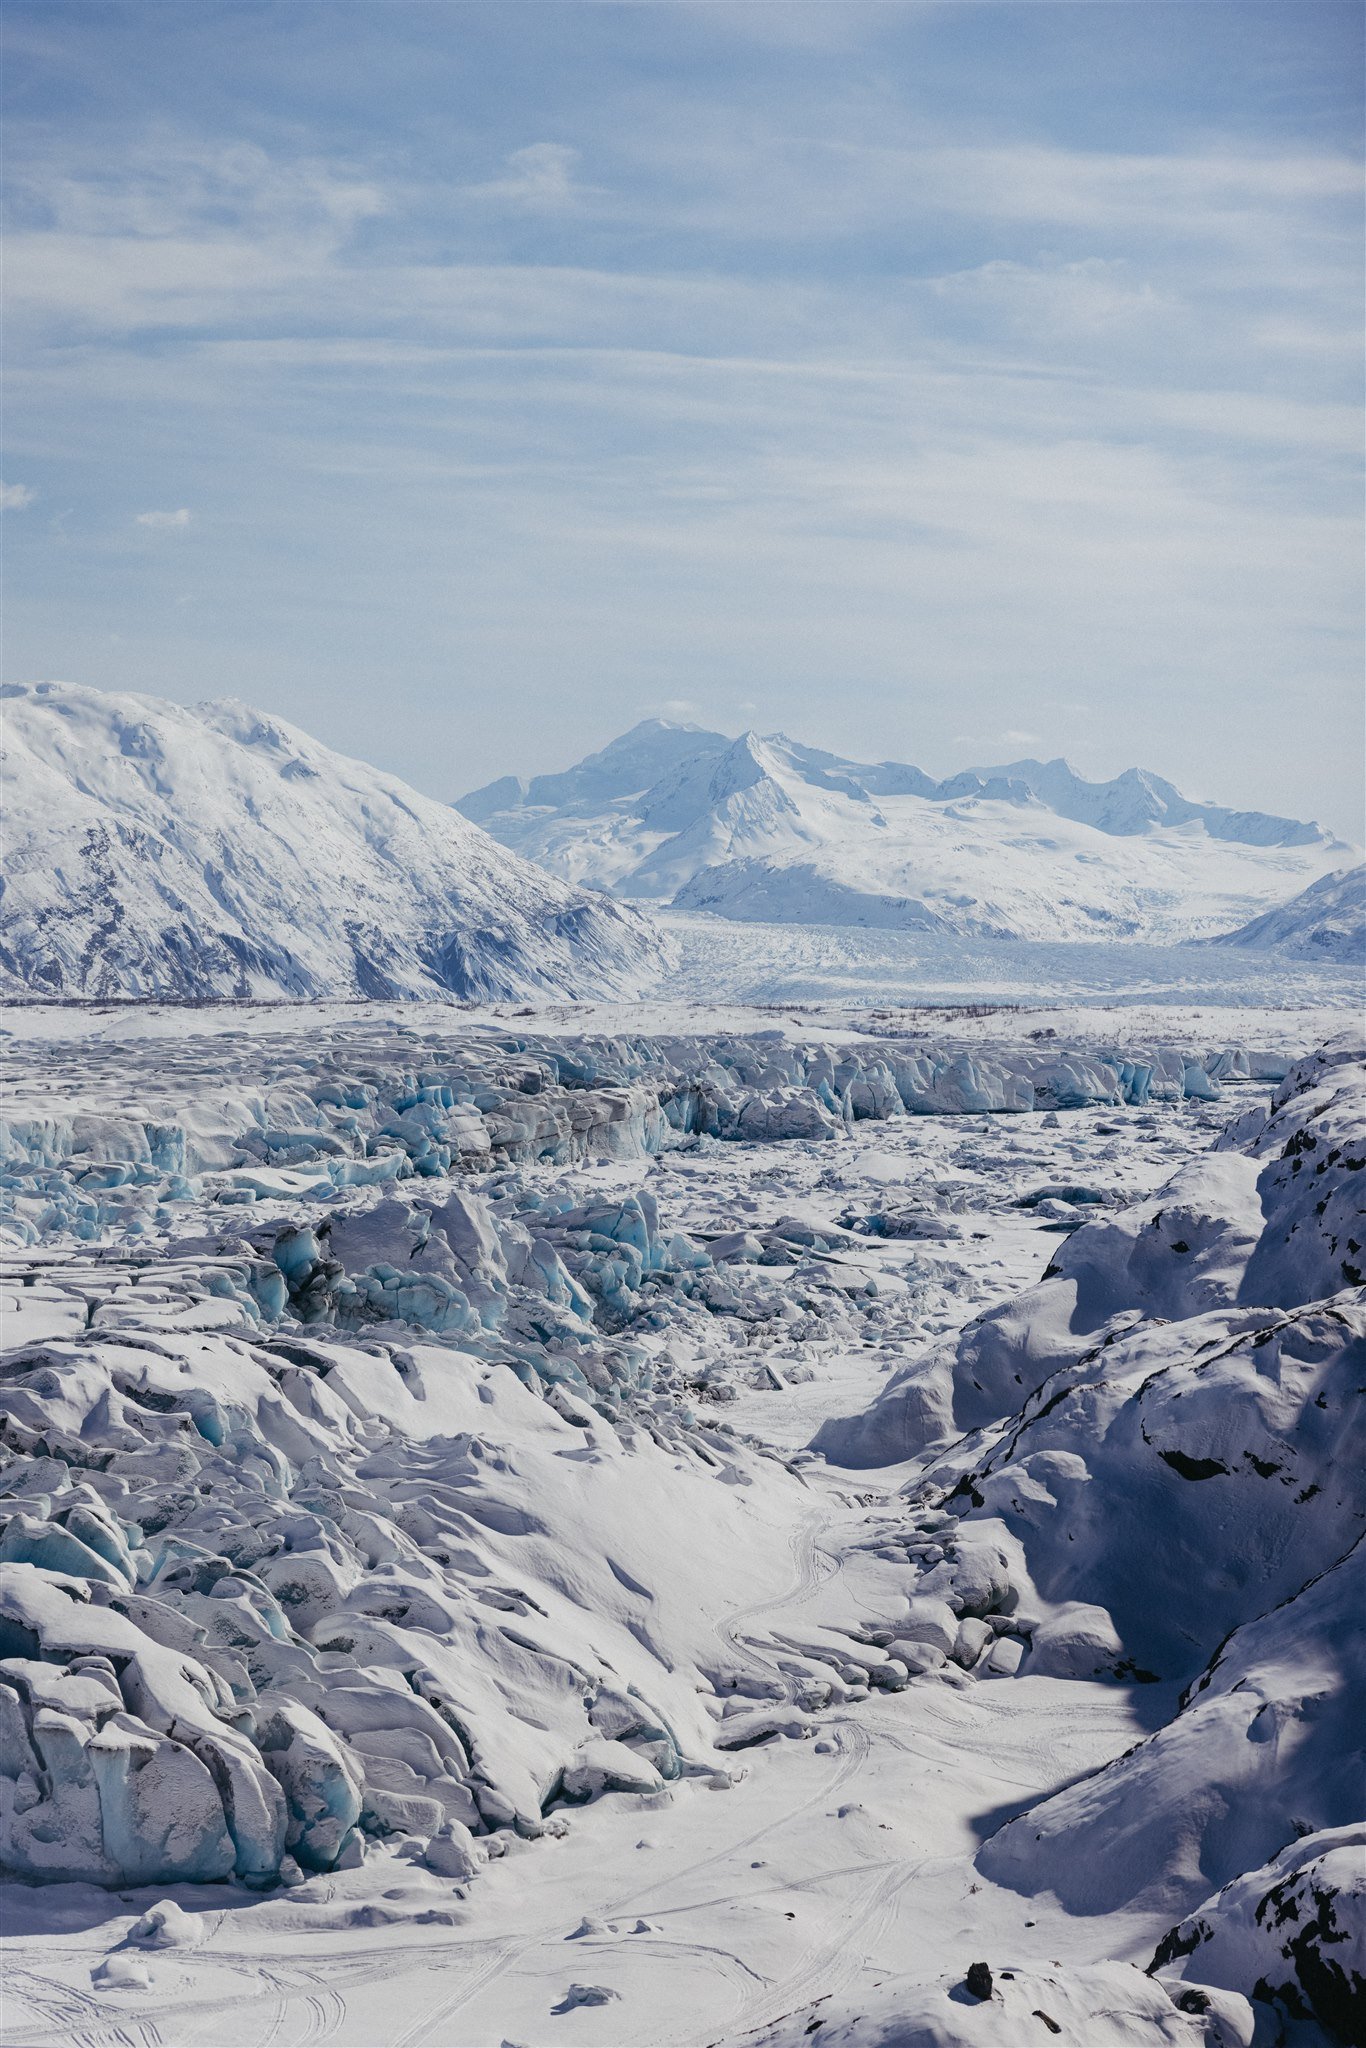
(735, 1522)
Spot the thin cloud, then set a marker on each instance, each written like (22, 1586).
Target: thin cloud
(165, 522)
(16, 497)
(540, 179)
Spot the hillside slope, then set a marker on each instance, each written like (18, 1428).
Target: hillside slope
(153, 850)
(1326, 921)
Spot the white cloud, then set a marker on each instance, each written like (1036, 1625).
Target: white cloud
(1086, 298)
(178, 234)
(539, 178)
(164, 521)
(1021, 739)
(16, 497)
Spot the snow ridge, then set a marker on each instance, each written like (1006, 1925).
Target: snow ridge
(766, 828)
(157, 851)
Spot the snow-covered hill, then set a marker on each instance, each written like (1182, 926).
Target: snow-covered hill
(153, 850)
(766, 829)
(1326, 921)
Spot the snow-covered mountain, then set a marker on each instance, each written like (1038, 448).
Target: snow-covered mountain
(154, 850)
(1326, 921)
(766, 829)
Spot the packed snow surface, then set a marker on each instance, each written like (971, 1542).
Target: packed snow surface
(721, 960)
(152, 850)
(745, 1530)
(764, 829)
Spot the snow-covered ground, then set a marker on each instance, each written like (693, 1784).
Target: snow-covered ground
(588, 1526)
(722, 960)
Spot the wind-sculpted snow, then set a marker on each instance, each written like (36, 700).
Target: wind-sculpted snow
(157, 851)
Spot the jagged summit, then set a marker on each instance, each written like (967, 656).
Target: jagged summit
(762, 827)
(153, 850)
(1138, 799)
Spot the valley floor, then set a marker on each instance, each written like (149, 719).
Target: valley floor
(726, 959)
(832, 1858)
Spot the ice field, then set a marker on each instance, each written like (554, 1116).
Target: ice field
(666, 1526)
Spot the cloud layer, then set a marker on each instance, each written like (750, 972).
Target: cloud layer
(938, 372)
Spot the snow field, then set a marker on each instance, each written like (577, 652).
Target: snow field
(457, 1532)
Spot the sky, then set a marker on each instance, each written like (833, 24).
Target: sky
(944, 383)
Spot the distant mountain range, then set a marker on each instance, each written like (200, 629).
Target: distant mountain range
(156, 851)
(763, 828)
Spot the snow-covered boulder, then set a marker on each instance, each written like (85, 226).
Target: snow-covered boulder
(1095, 2005)
(1294, 1930)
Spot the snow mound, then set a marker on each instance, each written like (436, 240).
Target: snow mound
(158, 851)
(1267, 1745)
(1101, 2005)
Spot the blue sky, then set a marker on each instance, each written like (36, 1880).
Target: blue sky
(467, 381)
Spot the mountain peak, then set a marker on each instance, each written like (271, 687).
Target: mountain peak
(759, 825)
(155, 850)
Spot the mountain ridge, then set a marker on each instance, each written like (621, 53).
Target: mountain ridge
(760, 826)
(155, 850)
